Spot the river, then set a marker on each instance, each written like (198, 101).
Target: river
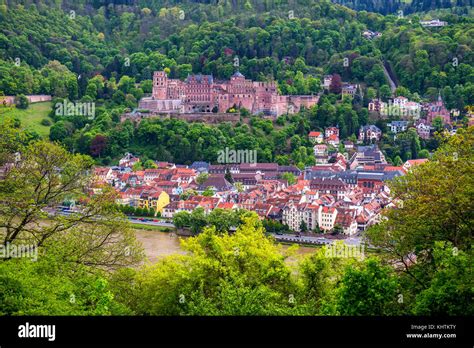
(160, 244)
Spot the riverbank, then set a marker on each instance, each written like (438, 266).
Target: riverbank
(158, 244)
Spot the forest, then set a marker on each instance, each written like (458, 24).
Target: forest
(89, 51)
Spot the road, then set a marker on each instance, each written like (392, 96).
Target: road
(150, 223)
(392, 84)
(316, 240)
(289, 238)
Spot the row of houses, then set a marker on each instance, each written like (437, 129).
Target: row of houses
(325, 197)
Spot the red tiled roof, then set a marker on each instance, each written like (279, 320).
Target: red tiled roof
(314, 134)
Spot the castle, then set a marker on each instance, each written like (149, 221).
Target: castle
(201, 94)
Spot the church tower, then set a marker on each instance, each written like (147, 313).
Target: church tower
(160, 85)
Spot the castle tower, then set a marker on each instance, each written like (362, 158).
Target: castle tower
(160, 85)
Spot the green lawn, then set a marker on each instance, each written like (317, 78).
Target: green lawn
(31, 117)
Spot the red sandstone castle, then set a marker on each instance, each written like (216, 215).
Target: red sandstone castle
(200, 93)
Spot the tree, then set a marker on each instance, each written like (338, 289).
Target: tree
(397, 161)
(451, 289)
(370, 289)
(208, 192)
(437, 124)
(337, 229)
(202, 178)
(47, 287)
(181, 219)
(42, 179)
(303, 227)
(385, 92)
(228, 176)
(21, 101)
(98, 145)
(336, 84)
(137, 166)
(289, 177)
(150, 164)
(434, 203)
(58, 131)
(424, 154)
(239, 187)
(239, 274)
(223, 220)
(198, 220)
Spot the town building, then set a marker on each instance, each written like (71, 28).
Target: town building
(433, 23)
(437, 109)
(398, 126)
(369, 133)
(316, 137)
(423, 129)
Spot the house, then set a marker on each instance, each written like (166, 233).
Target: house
(433, 23)
(217, 182)
(223, 168)
(369, 133)
(437, 109)
(289, 169)
(369, 34)
(372, 181)
(333, 140)
(200, 167)
(348, 145)
(370, 154)
(334, 187)
(327, 218)
(346, 219)
(170, 187)
(152, 174)
(349, 90)
(400, 101)
(294, 214)
(423, 129)
(412, 163)
(248, 180)
(316, 137)
(376, 105)
(321, 153)
(262, 209)
(128, 160)
(398, 126)
(154, 199)
(331, 131)
(102, 174)
(327, 81)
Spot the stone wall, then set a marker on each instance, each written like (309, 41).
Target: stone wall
(9, 100)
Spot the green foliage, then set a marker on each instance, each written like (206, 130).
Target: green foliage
(452, 287)
(47, 288)
(239, 274)
(21, 101)
(370, 289)
(290, 177)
